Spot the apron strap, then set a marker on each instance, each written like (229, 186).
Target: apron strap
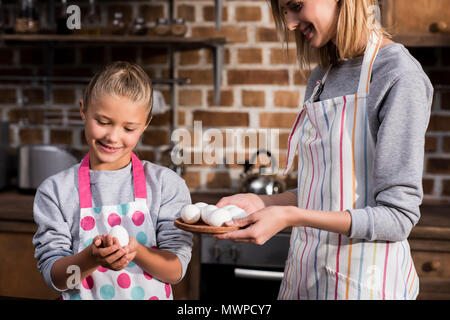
(140, 186)
(293, 141)
(84, 181)
(372, 48)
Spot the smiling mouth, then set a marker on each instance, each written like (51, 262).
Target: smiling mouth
(307, 32)
(107, 148)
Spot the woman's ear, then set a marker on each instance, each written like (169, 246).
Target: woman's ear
(83, 117)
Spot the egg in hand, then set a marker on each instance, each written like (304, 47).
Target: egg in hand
(121, 234)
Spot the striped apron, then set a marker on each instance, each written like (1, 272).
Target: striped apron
(335, 173)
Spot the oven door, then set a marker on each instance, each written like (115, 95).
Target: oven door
(242, 271)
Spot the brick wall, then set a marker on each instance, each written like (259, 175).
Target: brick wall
(261, 89)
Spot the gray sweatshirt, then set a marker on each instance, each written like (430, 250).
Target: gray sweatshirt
(57, 210)
(399, 111)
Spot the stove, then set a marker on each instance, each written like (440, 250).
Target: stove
(241, 270)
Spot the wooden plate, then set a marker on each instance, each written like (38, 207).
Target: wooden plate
(201, 227)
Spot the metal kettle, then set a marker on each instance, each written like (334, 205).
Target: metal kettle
(261, 182)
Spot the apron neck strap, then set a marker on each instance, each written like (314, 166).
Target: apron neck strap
(84, 181)
(372, 48)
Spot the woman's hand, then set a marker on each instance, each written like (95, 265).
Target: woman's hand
(250, 202)
(260, 226)
(107, 252)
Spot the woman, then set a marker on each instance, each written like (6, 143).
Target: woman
(360, 136)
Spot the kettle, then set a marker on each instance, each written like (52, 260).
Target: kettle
(261, 182)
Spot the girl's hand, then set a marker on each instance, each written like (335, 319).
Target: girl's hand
(260, 226)
(131, 249)
(250, 202)
(107, 252)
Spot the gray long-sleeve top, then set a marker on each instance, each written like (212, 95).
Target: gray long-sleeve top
(399, 107)
(57, 210)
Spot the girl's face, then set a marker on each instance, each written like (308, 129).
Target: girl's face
(315, 19)
(113, 126)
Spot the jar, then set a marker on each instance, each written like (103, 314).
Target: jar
(118, 24)
(162, 27)
(178, 27)
(27, 18)
(139, 28)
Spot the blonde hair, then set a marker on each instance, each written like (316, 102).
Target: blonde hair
(123, 79)
(355, 21)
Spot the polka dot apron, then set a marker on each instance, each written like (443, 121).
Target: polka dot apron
(130, 283)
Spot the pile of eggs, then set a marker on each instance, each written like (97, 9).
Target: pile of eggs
(210, 214)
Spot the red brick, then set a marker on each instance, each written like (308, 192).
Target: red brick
(439, 123)
(252, 98)
(152, 12)
(276, 120)
(232, 33)
(209, 13)
(281, 56)
(249, 55)
(236, 77)
(446, 187)
(218, 180)
(35, 116)
(190, 98)
(204, 77)
(192, 179)
(187, 12)
(446, 144)
(155, 137)
(438, 165)
(61, 137)
(290, 99)
(445, 100)
(152, 55)
(226, 98)
(430, 144)
(247, 14)
(64, 96)
(189, 57)
(31, 136)
(8, 96)
(428, 186)
(222, 119)
(301, 79)
(33, 96)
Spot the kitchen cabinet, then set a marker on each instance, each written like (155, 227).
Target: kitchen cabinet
(417, 23)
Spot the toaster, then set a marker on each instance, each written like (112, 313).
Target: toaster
(37, 162)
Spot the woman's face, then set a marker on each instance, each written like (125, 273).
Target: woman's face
(113, 126)
(316, 20)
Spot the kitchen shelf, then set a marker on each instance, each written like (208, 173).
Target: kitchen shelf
(149, 40)
(172, 43)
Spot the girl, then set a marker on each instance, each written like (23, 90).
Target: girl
(75, 209)
(360, 136)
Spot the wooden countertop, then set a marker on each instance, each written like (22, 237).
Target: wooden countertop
(16, 214)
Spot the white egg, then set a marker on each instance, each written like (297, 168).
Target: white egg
(190, 214)
(237, 213)
(121, 234)
(205, 211)
(201, 205)
(229, 206)
(218, 217)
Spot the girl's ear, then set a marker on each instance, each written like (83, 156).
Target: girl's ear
(148, 122)
(81, 110)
